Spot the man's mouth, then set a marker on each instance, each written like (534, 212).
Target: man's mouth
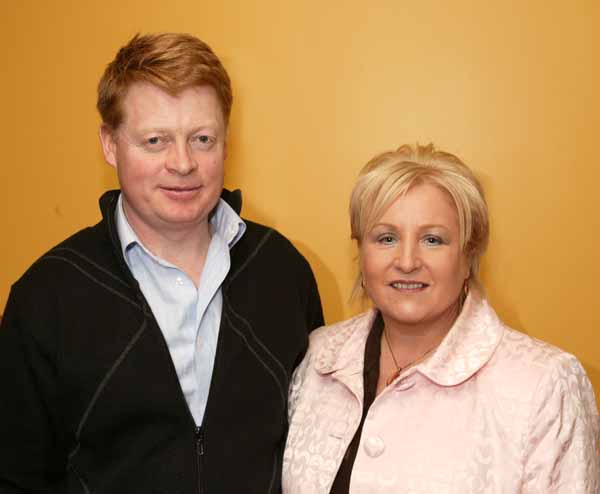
(181, 189)
(184, 193)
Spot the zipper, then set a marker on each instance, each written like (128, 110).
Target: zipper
(199, 455)
(199, 431)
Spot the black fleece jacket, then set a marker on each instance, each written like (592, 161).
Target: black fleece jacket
(90, 399)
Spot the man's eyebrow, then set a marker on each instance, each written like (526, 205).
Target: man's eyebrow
(145, 130)
(208, 124)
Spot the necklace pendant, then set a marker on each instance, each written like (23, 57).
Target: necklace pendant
(393, 377)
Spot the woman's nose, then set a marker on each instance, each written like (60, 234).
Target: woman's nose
(407, 258)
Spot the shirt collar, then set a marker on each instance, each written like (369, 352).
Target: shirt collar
(227, 223)
(224, 221)
(466, 348)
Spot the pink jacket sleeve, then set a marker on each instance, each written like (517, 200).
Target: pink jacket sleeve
(561, 449)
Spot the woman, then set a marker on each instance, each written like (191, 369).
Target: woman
(429, 392)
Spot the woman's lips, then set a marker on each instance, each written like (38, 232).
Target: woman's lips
(411, 286)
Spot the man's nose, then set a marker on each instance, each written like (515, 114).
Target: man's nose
(180, 159)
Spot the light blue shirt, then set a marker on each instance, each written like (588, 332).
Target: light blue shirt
(189, 316)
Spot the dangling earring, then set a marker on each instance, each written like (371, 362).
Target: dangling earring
(464, 294)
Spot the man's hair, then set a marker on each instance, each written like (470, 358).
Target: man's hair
(171, 61)
(390, 175)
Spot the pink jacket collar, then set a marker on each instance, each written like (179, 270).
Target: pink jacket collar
(466, 348)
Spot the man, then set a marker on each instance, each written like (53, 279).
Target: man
(152, 352)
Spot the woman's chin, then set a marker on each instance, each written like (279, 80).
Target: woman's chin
(412, 316)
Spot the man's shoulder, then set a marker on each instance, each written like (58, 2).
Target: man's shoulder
(91, 241)
(257, 231)
(265, 240)
(85, 251)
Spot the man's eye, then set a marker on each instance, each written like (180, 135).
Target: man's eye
(154, 144)
(203, 139)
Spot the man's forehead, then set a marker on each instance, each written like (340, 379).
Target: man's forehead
(144, 90)
(153, 106)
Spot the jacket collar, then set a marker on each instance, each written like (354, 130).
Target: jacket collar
(466, 348)
(108, 203)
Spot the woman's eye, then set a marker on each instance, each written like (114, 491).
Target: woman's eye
(386, 239)
(153, 140)
(433, 240)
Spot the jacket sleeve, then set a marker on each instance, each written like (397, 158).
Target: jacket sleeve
(561, 450)
(296, 384)
(314, 310)
(30, 460)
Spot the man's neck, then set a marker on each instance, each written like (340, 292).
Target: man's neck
(184, 246)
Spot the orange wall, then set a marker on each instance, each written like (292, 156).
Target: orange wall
(320, 87)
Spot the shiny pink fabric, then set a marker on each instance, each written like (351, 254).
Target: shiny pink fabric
(491, 411)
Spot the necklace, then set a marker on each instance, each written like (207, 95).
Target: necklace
(399, 369)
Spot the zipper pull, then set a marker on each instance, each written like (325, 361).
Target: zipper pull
(199, 441)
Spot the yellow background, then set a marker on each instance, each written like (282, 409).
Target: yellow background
(320, 87)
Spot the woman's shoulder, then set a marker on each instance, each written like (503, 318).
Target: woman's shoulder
(531, 365)
(340, 331)
(554, 385)
(522, 350)
(515, 353)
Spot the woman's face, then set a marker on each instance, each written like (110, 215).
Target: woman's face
(412, 264)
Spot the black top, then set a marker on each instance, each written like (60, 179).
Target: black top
(341, 484)
(90, 400)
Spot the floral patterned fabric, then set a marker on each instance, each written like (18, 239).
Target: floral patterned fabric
(491, 411)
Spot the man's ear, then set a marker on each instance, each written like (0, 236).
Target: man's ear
(109, 145)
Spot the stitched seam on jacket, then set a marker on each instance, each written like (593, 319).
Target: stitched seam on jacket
(262, 345)
(86, 489)
(93, 263)
(94, 279)
(265, 365)
(251, 256)
(103, 384)
(275, 462)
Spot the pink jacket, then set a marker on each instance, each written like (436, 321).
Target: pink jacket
(491, 411)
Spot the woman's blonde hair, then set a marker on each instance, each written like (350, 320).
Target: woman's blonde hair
(391, 174)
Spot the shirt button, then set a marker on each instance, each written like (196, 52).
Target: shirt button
(179, 281)
(374, 446)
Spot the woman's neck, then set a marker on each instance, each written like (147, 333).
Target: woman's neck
(409, 340)
(406, 345)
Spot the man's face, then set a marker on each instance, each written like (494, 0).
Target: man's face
(169, 154)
